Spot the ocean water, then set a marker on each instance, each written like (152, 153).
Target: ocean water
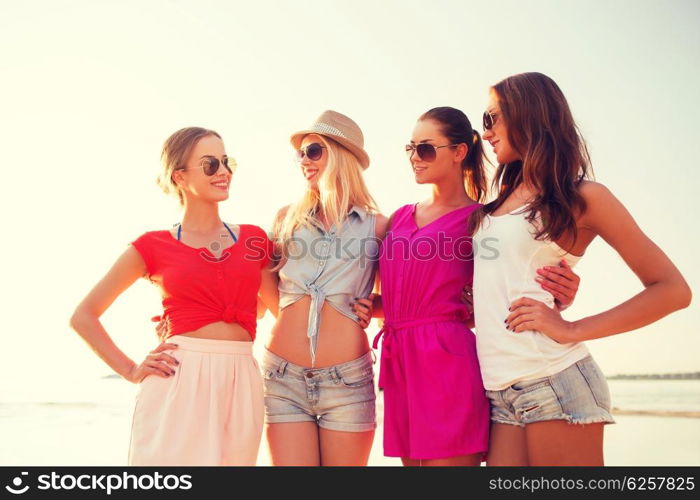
(87, 422)
(656, 395)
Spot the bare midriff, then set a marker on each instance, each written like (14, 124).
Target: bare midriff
(219, 330)
(340, 339)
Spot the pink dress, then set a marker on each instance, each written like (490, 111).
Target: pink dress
(434, 400)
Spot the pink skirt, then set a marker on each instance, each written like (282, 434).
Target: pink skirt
(210, 412)
(435, 405)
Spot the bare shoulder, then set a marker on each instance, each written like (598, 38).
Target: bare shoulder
(283, 211)
(594, 192)
(604, 212)
(600, 203)
(279, 218)
(281, 214)
(381, 226)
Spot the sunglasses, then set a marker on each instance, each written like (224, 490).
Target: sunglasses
(313, 152)
(489, 119)
(425, 151)
(210, 165)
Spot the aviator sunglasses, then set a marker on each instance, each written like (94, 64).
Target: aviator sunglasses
(489, 119)
(313, 152)
(210, 165)
(425, 151)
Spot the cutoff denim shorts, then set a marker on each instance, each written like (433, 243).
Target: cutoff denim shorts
(338, 398)
(578, 394)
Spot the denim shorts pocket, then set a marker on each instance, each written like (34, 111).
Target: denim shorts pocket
(530, 385)
(357, 378)
(270, 370)
(596, 382)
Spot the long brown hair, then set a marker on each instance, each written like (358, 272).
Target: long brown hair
(554, 156)
(457, 128)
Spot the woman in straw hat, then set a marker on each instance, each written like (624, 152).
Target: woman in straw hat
(318, 366)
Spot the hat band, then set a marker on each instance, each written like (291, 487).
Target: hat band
(327, 129)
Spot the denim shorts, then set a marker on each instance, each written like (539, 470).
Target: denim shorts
(578, 394)
(338, 398)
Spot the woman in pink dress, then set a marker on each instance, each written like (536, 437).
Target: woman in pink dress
(435, 408)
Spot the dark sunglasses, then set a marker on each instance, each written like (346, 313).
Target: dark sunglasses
(313, 152)
(489, 119)
(210, 165)
(425, 151)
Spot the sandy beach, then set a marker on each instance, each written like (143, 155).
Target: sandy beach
(638, 438)
(64, 433)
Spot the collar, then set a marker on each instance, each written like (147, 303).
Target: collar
(359, 211)
(355, 209)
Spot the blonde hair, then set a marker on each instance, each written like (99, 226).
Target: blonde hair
(340, 186)
(176, 151)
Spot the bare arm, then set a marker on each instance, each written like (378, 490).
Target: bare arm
(370, 307)
(268, 296)
(269, 292)
(665, 289)
(86, 321)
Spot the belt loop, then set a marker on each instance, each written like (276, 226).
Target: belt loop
(335, 376)
(374, 357)
(282, 368)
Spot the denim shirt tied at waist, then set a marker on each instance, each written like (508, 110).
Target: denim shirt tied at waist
(333, 266)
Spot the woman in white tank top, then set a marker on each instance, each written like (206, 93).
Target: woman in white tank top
(549, 400)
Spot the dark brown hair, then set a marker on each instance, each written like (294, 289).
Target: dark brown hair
(176, 150)
(455, 125)
(554, 157)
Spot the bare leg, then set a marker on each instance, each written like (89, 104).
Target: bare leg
(557, 442)
(410, 462)
(294, 443)
(507, 446)
(345, 448)
(473, 460)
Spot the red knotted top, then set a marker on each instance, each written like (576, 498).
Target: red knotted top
(197, 288)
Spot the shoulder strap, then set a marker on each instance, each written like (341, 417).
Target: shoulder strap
(235, 240)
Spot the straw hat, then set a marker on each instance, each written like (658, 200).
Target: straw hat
(341, 129)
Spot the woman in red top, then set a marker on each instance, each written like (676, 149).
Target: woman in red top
(200, 400)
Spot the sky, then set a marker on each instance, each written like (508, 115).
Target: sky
(91, 89)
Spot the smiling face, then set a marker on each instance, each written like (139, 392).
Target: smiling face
(192, 180)
(312, 169)
(497, 136)
(447, 159)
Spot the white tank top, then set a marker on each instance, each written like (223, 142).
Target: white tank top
(507, 257)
